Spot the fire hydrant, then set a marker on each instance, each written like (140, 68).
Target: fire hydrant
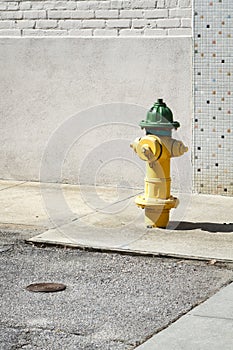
(156, 148)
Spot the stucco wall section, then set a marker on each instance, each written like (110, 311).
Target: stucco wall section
(106, 86)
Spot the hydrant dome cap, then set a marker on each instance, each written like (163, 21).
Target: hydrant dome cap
(159, 116)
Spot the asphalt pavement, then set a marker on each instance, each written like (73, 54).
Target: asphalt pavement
(112, 301)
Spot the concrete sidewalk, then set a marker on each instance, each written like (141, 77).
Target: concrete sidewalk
(208, 326)
(107, 218)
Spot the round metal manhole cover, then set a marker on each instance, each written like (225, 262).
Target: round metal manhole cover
(46, 287)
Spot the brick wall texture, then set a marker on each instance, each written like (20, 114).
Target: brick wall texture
(96, 18)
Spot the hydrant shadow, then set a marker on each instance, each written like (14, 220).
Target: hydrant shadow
(204, 226)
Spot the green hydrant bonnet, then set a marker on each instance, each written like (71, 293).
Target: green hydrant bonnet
(159, 117)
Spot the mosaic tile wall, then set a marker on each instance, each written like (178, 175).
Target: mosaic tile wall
(213, 96)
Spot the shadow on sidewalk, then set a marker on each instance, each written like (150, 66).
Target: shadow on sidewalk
(204, 226)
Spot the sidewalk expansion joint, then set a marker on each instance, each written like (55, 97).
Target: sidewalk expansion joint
(96, 211)
(15, 185)
(212, 317)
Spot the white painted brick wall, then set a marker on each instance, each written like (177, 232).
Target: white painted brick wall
(93, 23)
(118, 23)
(105, 32)
(96, 18)
(46, 24)
(131, 13)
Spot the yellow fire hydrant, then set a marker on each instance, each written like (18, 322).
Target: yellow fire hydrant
(156, 148)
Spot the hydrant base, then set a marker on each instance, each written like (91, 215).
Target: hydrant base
(156, 218)
(157, 210)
